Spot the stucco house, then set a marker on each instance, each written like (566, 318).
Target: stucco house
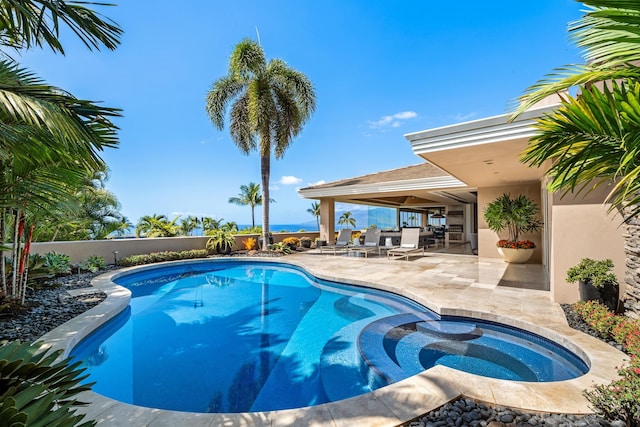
(466, 166)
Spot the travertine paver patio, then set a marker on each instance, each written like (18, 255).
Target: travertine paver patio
(447, 284)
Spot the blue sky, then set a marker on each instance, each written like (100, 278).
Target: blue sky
(380, 69)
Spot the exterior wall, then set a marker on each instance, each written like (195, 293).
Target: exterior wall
(487, 239)
(79, 251)
(582, 228)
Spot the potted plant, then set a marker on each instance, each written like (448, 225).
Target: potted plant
(518, 215)
(221, 242)
(596, 281)
(305, 242)
(292, 242)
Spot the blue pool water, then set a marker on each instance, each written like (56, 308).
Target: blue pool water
(243, 336)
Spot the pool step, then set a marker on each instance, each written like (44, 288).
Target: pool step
(342, 371)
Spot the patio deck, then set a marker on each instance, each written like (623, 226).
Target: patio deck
(448, 284)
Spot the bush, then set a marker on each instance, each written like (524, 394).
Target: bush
(36, 390)
(93, 263)
(57, 264)
(598, 317)
(596, 272)
(160, 257)
(620, 398)
(249, 243)
(281, 247)
(292, 242)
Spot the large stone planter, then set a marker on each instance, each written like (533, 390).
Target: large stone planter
(608, 294)
(515, 256)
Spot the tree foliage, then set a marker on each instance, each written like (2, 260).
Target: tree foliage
(270, 102)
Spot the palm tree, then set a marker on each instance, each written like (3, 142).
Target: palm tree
(148, 223)
(270, 103)
(188, 224)
(315, 211)
(347, 219)
(593, 138)
(50, 139)
(249, 196)
(34, 23)
(209, 224)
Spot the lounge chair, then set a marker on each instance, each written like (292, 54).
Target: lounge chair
(409, 244)
(342, 244)
(371, 243)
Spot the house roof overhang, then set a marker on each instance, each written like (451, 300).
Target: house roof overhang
(416, 186)
(485, 152)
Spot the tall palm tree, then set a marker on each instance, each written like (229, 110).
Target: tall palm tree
(270, 102)
(347, 219)
(250, 195)
(315, 211)
(594, 137)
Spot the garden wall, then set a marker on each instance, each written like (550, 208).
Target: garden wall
(81, 250)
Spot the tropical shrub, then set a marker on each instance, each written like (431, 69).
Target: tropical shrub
(596, 272)
(221, 241)
(621, 398)
(281, 247)
(57, 264)
(292, 242)
(598, 317)
(161, 257)
(517, 216)
(93, 263)
(249, 243)
(37, 390)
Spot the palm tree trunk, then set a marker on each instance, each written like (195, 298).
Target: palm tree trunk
(631, 298)
(265, 171)
(253, 216)
(3, 266)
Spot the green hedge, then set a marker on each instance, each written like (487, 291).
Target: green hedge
(160, 257)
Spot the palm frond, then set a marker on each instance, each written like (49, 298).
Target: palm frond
(32, 23)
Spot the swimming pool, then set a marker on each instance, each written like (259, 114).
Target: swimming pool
(253, 336)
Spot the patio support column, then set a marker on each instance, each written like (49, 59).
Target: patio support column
(398, 219)
(327, 219)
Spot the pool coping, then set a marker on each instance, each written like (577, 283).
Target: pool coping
(387, 406)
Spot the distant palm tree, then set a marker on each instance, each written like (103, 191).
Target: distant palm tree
(210, 224)
(347, 219)
(270, 102)
(157, 226)
(249, 196)
(188, 224)
(315, 211)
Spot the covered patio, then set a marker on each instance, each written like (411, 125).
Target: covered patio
(468, 165)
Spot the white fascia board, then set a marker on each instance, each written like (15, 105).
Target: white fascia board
(383, 187)
(483, 131)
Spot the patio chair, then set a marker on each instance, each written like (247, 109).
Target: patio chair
(409, 244)
(371, 243)
(342, 243)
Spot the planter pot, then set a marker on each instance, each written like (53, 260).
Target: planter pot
(305, 243)
(515, 256)
(607, 295)
(321, 243)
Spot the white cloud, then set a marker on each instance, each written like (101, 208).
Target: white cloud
(311, 184)
(274, 187)
(393, 120)
(290, 180)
